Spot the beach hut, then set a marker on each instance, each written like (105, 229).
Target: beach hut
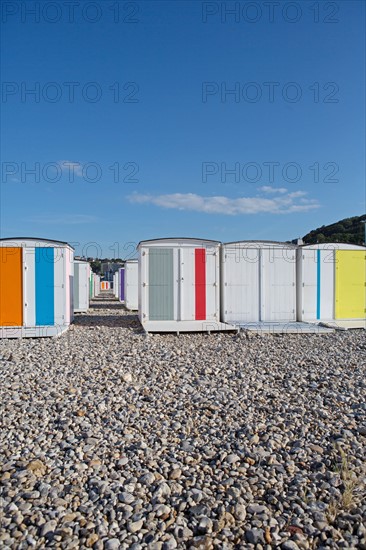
(81, 286)
(95, 285)
(179, 285)
(331, 284)
(258, 282)
(116, 283)
(105, 285)
(36, 287)
(131, 285)
(121, 279)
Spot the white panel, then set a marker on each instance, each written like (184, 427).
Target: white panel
(278, 284)
(96, 284)
(62, 290)
(240, 284)
(140, 285)
(308, 289)
(187, 284)
(131, 285)
(83, 287)
(176, 285)
(327, 270)
(144, 278)
(212, 284)
(116, 283)
(29, 287)
(69, 295)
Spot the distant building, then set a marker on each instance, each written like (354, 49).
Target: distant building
(108, 269)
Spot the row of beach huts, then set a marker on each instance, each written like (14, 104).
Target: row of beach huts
(185, 284)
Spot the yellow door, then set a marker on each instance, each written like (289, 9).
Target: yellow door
(11, 287)
(350, 283)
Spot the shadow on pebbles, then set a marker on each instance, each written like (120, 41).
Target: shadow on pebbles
(111, 439)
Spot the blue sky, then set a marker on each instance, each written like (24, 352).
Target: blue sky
(180, 119)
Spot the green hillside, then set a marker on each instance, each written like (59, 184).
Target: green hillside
(349, 230)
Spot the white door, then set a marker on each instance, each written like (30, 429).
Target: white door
(278, 288)
(241, 285)
(83, 286)
(186, 277)
(212, 275)
(309, 285)
(29, 286)
(326, 290)
(131, 285)
(60, 288)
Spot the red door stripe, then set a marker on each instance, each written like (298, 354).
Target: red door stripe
(200, 283)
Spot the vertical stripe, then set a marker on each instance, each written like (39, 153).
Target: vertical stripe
(318, 278)
(200, 283)
(68, 268)
(45, 307)
(76, 286)
(121, 285)
(11, 287)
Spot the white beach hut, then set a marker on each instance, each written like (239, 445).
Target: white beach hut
(258, 282)
(81, 286)
(331, 284)
(96, 285)
(131, 284)
(36, 287)
(179, 285)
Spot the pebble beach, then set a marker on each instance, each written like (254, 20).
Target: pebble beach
(111, 439)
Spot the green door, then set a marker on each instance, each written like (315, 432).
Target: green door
(161, 287)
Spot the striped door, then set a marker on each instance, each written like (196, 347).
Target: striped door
(191, 284)
(350, 293)
(11, 287)
(161, 284)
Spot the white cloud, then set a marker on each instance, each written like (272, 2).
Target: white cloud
(269, 189)
(284, 204)
(297, 194)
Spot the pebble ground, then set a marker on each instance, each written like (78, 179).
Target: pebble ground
(111, 439)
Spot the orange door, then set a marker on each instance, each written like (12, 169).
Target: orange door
(11, 287)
